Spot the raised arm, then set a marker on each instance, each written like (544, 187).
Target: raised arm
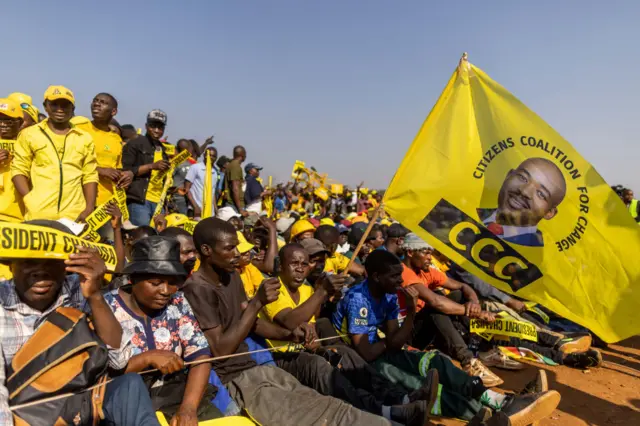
(266, 265)
(91, 269)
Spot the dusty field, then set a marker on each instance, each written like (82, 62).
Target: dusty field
(609, 395)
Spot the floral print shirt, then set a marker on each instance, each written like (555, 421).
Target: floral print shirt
(173, 329)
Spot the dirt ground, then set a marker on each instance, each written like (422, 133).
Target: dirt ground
(609, 395)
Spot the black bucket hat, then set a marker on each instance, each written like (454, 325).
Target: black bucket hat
(156, 255)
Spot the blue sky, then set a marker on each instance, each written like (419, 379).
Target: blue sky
(342, 85)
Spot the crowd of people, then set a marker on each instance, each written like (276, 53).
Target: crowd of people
(364, 321)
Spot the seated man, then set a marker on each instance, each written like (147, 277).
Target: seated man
(39, 287)
(354, 380)
(153, 302)
(436, 314)
(188, 253)
(318, 254)
(373, 305)
(269, 394)
(336, 262)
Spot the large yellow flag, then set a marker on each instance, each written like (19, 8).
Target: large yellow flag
(492, 186)
(207, 190)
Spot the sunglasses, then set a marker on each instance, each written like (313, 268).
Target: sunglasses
(27, 107)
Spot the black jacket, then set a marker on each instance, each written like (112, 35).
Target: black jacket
(138, 152)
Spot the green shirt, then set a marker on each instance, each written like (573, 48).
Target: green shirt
(233, 173)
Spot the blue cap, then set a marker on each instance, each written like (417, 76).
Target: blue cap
(251, 166)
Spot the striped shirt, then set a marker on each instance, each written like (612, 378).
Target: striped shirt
(18, 322)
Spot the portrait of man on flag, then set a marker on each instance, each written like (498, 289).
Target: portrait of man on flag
(528, 194)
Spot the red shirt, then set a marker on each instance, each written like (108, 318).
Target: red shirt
(432, 278)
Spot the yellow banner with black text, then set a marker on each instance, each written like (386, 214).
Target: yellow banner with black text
(100, 215)
(505, 327)
(21, 241)
(493, 187)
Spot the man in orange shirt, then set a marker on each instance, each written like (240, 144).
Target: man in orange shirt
(436, 313)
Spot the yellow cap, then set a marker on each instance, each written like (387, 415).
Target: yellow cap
(300, 227)
(351, 215)
(244, 245)
(374, 192)
(79, 119)
(385, 222)
(327, 221)
(59, 92)
(21, 98)
(176, 219)
(10, 108)
(27, 105)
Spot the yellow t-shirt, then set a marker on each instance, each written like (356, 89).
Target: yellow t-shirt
(285, 301)
(108, 154)
(156, 182)
(58, 140)
(251, 279)
(337, 263)
(11, 207)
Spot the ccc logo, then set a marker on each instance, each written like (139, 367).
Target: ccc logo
(479, 246)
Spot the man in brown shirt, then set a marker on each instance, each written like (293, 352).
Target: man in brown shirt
(269, 394)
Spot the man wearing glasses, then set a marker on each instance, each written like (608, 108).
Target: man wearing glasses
(145, 157)
(11, 210)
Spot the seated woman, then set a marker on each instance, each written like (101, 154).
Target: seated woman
(159, 322)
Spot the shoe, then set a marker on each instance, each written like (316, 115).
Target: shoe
(498, 419)
(589, 359)
(481, 417)
(537, 385)
(477, 368)
(572, 345)
(524, 410)
(429, 390)
(495, 358)
(412, 414)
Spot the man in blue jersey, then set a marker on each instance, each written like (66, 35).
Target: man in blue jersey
(372, 306)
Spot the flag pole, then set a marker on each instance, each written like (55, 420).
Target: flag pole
(372, 222)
